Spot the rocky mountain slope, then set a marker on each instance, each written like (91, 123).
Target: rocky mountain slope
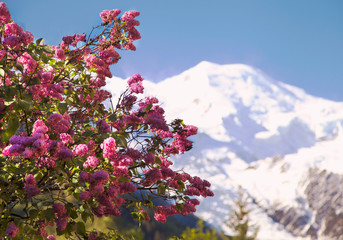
(283, 146)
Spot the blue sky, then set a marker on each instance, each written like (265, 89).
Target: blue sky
(296, 42)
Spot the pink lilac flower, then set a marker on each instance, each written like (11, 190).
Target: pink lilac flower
(45, 77)
(59, 209)
(12, 230)
(99, 176)
(157, 121)
(152, 176)
(80, 150)
(65, 153)
(162, 212)
(126, 187)
(51, 237)
(109, 148)
(12, 42)
(5, 16)
(103, 126)
(91, 162)
(128, 102)
(28, 62)
(97, 82)
(17, 149)
(39, 127)
(149, 158)
(135, 83)
(12, 29)
(62, 223)
(84, 177)
(113, 191)
(109, 56)
(190, 130)
(66, 138)
(85, 196)
(109, 15)
(31, 190)
(59, 53)
(30, 179)
(26, 38)
(167, 172)
(135, 154)
(120, 171)
(130, 15)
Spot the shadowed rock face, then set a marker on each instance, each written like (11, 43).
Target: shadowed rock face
(324, 200)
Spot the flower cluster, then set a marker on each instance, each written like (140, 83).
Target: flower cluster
(64, 155)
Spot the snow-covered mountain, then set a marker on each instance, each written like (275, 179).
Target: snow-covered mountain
(283, 146)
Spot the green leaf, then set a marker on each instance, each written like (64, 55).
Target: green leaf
(12, 127)
(161, 189)
(25, 104)
(62, 108)
(20, 67)
(81, 228)
(39, 41)
(112, 118)
(2, 72)
(120, 140)
(47, 49)
(33, 213)
(49, 213)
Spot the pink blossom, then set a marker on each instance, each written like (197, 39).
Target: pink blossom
(126, 161)
(66, 138)
(31, 190)
(51, 237)
(109, 15)
(80, 150)
(39, 127)
(103, 126)
(26, 38)
(149, 158)
(45, 77)
(109, 148)
(5, 16)
(91, 162)
(135, 154)
(12, 29)
(84, 177)
(65, 153)
(99, 176)
(30, 179)
(109, 56)
(62, 223)
(12, 230)
(161, 212)
(126, 187)
(28, 62)
(190, 130)
(130, 15)
(152, 176)
(85, 196)
(59, 209)
(113, 191)
(128, 102)
(12, 42)
(135, 83)
(59, 53)
(167, 172)
(121, 171)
